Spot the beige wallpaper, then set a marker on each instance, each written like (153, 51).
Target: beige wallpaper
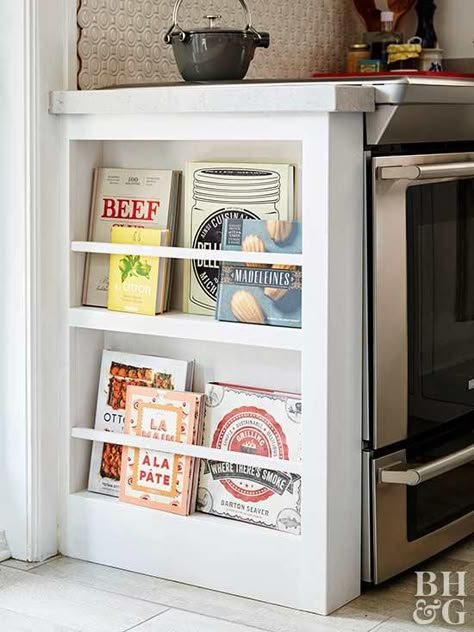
(121, 41)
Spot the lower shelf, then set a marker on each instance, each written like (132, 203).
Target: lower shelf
(202, 550)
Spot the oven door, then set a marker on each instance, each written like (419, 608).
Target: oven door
(422, 296)
(419, 502)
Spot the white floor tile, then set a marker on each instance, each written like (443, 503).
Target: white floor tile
(397, 625)
(25, 566)
(16, 622)
(205, 602)
(71, 605)
(179, 621)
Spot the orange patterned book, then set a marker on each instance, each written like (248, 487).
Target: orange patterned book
(158, 479)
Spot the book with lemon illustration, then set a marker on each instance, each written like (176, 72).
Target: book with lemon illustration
(137, 283)
(259, 293)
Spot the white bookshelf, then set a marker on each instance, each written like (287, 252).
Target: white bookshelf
(319, 570)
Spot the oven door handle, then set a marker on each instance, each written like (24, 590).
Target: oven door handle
(400, 474)
(427, 172)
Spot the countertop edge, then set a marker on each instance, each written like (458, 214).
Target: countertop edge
(228, 98)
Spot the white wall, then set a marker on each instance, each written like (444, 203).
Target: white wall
(454, 21)
(32, 62)
(13, 280)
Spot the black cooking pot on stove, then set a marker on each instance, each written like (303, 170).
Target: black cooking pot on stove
(213, 53)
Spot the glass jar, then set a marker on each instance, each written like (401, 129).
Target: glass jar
(403, 56)
(356, 53)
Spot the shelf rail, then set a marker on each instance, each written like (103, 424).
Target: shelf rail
(174, 252)
(200, 452)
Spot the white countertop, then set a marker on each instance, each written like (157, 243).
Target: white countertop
(245, 97)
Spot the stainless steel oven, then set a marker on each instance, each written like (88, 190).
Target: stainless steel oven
(419, 430)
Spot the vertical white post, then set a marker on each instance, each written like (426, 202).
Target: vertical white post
(32, 62)
(332, 359)
(315, 204)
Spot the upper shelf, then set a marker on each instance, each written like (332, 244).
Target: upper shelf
(244, 96)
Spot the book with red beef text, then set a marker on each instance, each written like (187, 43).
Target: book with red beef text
(128, 197)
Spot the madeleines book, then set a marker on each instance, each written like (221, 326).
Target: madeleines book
(259, 293)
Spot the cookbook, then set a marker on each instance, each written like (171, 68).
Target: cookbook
(214, 192)
(262, 294)
(261, 422)
(130, 197)
(137, 284)
(118, 372)
(152, 478)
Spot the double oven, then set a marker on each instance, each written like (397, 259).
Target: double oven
(418, 456)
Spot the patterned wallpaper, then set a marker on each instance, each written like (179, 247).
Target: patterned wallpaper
(121, 41)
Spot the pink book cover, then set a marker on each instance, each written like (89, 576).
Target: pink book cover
(149, 477)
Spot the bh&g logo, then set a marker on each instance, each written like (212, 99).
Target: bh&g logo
(450, 586)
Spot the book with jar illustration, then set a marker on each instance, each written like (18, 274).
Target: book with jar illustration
(118, 372)
(214, 192)
(137, 284)
(262, 422)
(130, 197)
(152, 478)
(259, 293)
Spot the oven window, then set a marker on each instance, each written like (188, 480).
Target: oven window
(443, 499)
(440, 281)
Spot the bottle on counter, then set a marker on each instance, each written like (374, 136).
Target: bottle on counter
(387, 36)
(356, 53)
(425, 10)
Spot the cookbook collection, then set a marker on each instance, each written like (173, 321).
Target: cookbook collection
(151, 397)
(235, 207)
(246, 208)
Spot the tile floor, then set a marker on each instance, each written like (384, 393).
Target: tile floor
(65, 595)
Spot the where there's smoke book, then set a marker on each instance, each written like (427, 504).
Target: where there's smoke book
(129, 197)
(214, 192)
(259, 293)
(155, 479)
(264, 423)
(118, 372)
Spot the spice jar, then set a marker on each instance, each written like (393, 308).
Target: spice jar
(403, 56)
(356, 53)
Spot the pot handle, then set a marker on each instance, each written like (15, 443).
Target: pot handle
(175, 28)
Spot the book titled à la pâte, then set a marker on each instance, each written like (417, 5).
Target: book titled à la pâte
(259, 293)
(152, 478)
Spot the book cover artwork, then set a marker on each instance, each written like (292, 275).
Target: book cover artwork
(130, 197)
(259, 422)
(215, 192)
(137, 284)
(118, 372)
(152, 478)
(259, 293)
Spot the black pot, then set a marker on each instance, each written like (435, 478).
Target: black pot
(215, 54)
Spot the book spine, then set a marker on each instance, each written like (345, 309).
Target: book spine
(85, 284)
